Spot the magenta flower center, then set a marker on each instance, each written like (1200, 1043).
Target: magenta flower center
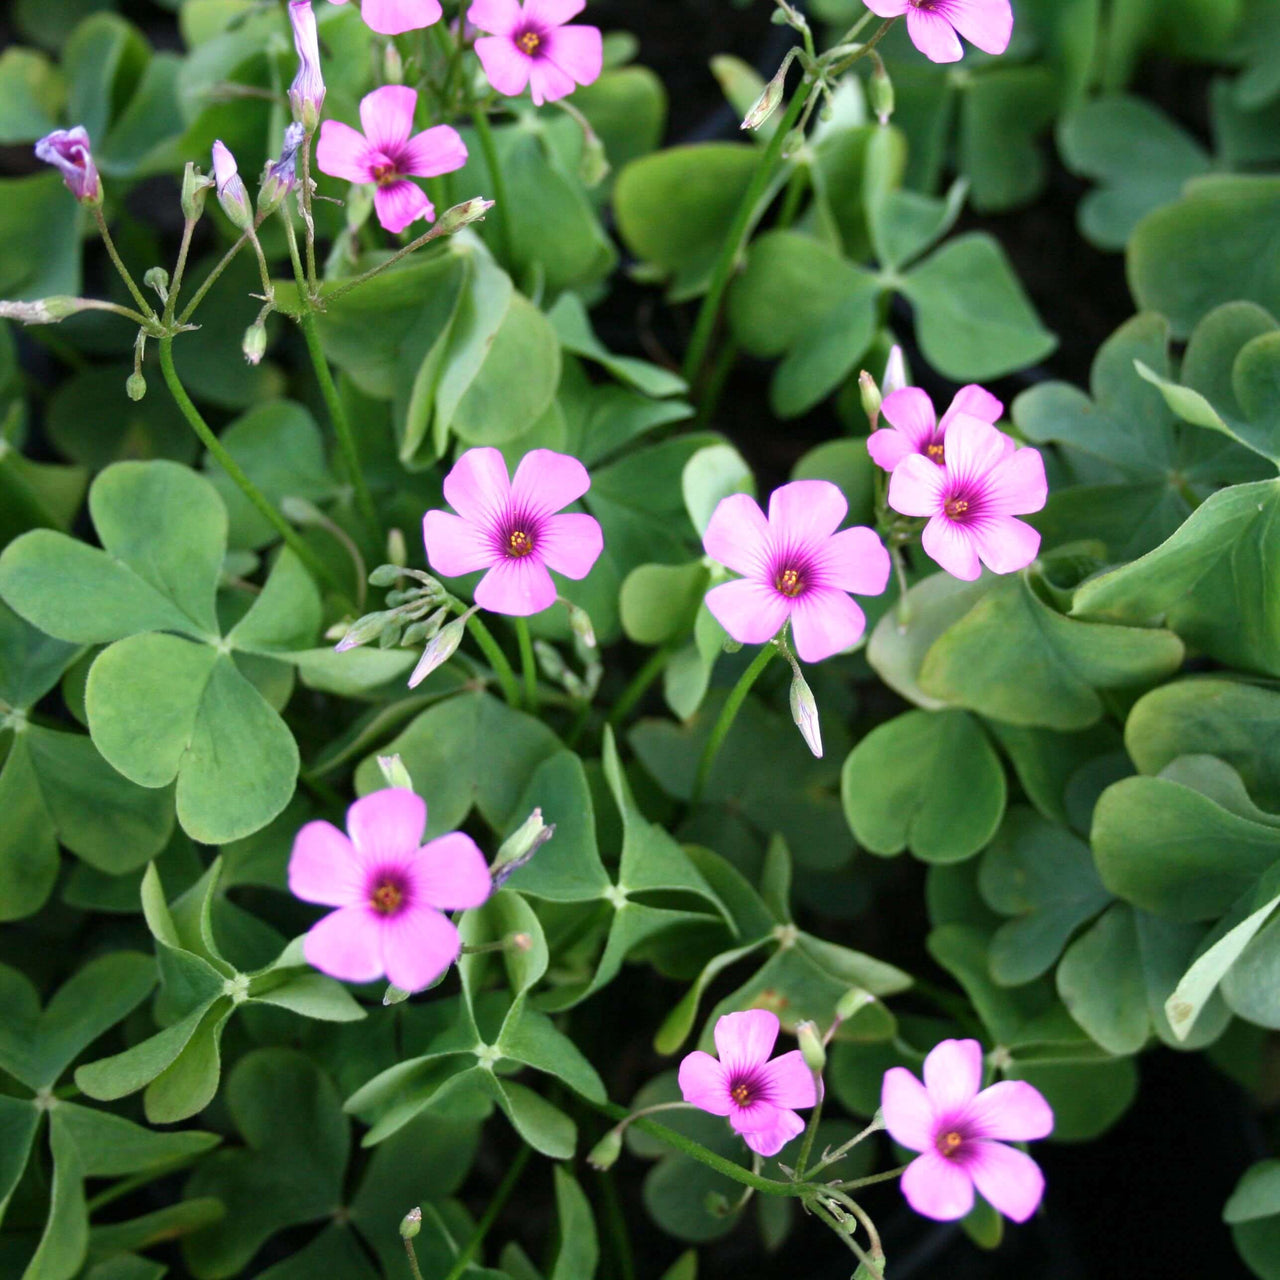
(519, 543)
(388, 893)
(744, 1091)
(385, 173)
(790, 582)
(964, 502)
(949, 1143)
(529, 42)
(935, 452)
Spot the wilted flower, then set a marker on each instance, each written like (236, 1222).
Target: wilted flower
(306, 93)
(512, 529)
(386, 155)
(914, 427)
(395, 17)
(960, 1133)
(972, 499)
(757, 1095)
(794, 565)
(531, 45)
(230, 187)
(390, 891)
(933, 24)
(282, 175)
(68, 151)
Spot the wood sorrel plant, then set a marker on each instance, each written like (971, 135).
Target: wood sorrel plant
(531, 832)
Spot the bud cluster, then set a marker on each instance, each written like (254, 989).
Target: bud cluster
(414, 614)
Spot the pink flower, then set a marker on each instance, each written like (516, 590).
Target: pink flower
(959, 1131)
(757, 1095)
(932, 24)
(395, 17)
(794, 565)
(385, 154)
(68, 151)
(511, 528)
(306, 93)
(972, 499)
(230, 188)
(390, 891)
(914, 427)
(531, 45)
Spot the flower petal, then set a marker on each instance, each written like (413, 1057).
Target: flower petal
(789, 1081)
(387, 116)
(912, 412)
(546, 481)
(506, 68)
(974, 448)
(1017, 485)
(432, 152)
(975, 401)
(418, 945)
(570, 543)
(1009, 1179)
(745, 1040)
(346, 945)
(704, 1083)
(547, 82)
(455, 546)
(477, 487)
(498, 16)
(324, 867)
(341, 152)
(933, 35)
(888, 8)
(517, 588)
(805, 511)
(952, 546)
(825, 622)
(855, 560)
(1012, 1110)
(953, 1075)
(768, 1142)
(450, 873)
(552, 13)
(737, 535)
(749, 611)
(386, 826)
(888, 448)
(395, 17)
(578, 51)
(937, 1187)
(915, 488)
(909, 1113)
(1005, 544)
(985, 23)
(400, 204)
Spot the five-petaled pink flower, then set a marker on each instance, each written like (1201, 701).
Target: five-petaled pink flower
(531, 45)
(757, 1095)
(395, 17)
(390, 890)
(960, 1133)
(914, 427)
(68, 151)
(794, 565)
(933, 24)
(387, 155)
(972, 499)
(511, 527)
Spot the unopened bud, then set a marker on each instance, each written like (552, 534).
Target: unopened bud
(593, 168)
(394, 771)
(411, 1223)
(363, 630)
(815, 1056)
(195, 186)
(767, 103)
(44, 310)
(135, 386)
(306, 93)
(520, 846)
(232, 195)
(853, 1002)
(392, 64)
(604, 1155)
(460, 215)
(550, 660)
(804, 711)
(580, 625)
(880, 93)
(394, 995)
(895, 372)
(68, 151)
(254, 345)
(521, 942)
(871, 397)
(385, 575)
(157, 279)
(397, 552)
(281, 175)
(440, 648)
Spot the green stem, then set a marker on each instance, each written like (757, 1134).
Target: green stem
(500, 203)
(840, 1152)
(728, 714)
(528, 665)
(143, 305)
(838, 1227)
(639, 686)
(180, 267)
(413, 1260)
(500, 1197)
(412, 247)
(849, 1203)
(709, 312)
(811, 1132)
(856, 1184)
(709, 401)
(307, 218)
(900, 573)
(615, 1220)
(497, 660)
(212, 277)
(314, 564)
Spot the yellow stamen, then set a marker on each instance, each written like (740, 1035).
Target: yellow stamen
(950, 1143)
(789, 582)
(529, 43)
(386, 898)
(519, 543)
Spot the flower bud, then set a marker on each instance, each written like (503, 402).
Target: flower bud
(804, 711)
(157, 279)
(195, 186)
(871, 397)
(460, 215)
(397, 552)
(306, 93)
(68, 151)
(815, 1056)
(386, 575)
(411, 1223)
(254, 345)
(135, 386)
(363, 629)
(232, 195)
(853, 1002)
(439, 650)
(604, 1155)
(580, 625)
(394, 772)
(895, 372)
(45, 310)
(520, 846)
(550, 660)
(767, 103)
(282, 175)
(880, 93)
(392, 64)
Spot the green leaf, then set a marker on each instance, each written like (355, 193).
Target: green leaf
(188, 1084)
(150, 1229)
(928, 781)
(19, 1120)
(111, 1146)
(1002, 113)
(29, 859)
(544, 1127)
(40, 225)
(579, 1253)
(658, 601)
(1113, 1012)
(569, 318)
(311, 995)
(31, 92)
(531, 1038)
(711, 475)
(66, 1232)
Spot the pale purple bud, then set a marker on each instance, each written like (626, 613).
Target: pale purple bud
(306, 94)
(282, 175)
(68, 151)
(895, 371)
(804, 711)
(232, 195)
(439, 650)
